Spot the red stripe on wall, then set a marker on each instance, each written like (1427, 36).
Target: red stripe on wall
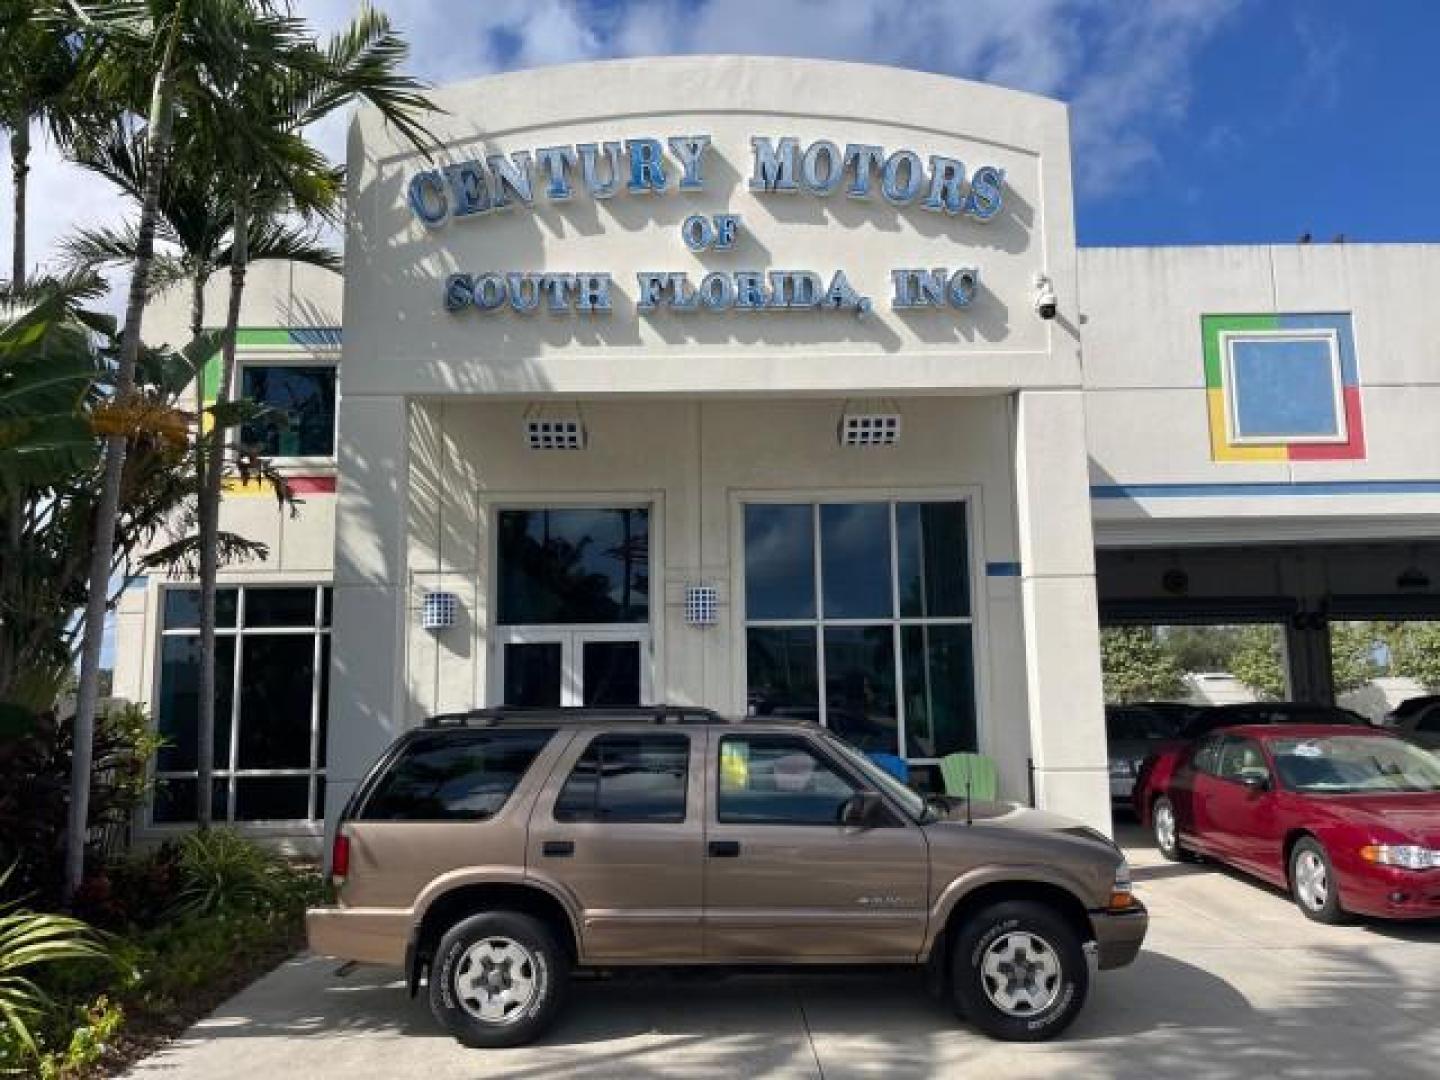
(1349, 451)
(313, 485)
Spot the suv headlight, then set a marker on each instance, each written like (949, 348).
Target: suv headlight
(1406, 856)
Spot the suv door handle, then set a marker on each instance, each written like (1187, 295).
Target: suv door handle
(724, 849)
(558, 849)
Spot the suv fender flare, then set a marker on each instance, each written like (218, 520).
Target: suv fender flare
(968, 883)
(448, 883)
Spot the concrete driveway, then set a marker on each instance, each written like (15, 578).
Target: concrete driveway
(1233, 981)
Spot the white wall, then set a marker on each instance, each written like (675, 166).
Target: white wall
(1145, 387)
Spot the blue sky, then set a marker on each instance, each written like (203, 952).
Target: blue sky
(1193, 121)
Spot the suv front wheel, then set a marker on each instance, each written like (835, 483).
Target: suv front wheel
(497, 979)
(1020, 971)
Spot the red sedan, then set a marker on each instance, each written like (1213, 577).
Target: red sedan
(1347, 819)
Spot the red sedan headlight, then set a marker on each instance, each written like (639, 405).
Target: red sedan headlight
(1406, 856)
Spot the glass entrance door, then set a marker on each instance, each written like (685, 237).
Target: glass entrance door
(543, 666)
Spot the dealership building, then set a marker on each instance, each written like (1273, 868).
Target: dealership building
(779, 387)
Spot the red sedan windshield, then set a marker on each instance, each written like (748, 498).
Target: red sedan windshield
(1354, 763)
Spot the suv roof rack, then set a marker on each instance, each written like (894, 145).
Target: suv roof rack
(574, 714)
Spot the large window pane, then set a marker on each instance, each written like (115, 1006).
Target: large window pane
(610, 672)
(574, 566)
(182, 608)
(939, 690)
(324, 700)
(277, 681)
(533, 673)
(272, 798)
(783, 677)
(180, 700)
(855, 560)
(302, 400)
(934, 559)
(279, 607)
(860, 686)
(779, 562)
(628, 778)
(175, 800)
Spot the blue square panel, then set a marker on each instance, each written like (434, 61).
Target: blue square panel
(1284, 387)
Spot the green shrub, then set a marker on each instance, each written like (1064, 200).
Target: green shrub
(35, 793)
(221, 872)
(30, 940)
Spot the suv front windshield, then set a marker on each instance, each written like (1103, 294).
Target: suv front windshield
(1352, 764)
(912, 802)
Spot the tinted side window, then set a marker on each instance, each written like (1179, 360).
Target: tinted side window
(454, 776)
(628, 778)
(1429, 722)
(776, 780)
(1207, 756)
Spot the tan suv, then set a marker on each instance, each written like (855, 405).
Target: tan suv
(497, 851)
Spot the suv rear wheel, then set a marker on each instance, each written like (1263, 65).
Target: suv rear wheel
(497, 979)
(1020, 971)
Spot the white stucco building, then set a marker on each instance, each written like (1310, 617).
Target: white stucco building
(782, 429)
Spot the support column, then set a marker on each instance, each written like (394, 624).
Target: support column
(367, 658)
(1058, 601)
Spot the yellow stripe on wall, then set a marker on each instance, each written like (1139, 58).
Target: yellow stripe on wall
(1221, 450)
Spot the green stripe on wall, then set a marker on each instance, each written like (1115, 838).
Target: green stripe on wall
(1210, 328)
(262, 336)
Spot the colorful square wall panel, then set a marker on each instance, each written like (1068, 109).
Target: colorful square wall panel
(1282, 388)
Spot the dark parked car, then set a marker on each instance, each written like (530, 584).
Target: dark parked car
(1416, 720)
(1347, 818)
(1267, 713)
(1135, 731)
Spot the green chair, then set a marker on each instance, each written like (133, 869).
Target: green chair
(974, 773)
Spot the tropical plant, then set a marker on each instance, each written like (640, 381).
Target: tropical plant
(1136, 665)
(30, 940)
(267, 166)
(221, 872)
(1353, 646)
(40, 75)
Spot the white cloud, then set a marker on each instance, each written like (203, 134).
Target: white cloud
(1123, 65)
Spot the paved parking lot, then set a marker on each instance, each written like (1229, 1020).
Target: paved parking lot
(1233, 981)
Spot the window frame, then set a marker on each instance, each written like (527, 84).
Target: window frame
(683, 738)
(976, 620)
(1330, 337)
(489, 677)
(308, 356)
(319, 631)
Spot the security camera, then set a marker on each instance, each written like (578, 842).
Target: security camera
(1045, 302)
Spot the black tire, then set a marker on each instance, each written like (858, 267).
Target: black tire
(539, 961)
(1307, 856)
(1167, 844)
(1012, 928)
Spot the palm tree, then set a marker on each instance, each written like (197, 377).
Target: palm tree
(39, 77)
(197, 218)
(162, 51)
(269, 165)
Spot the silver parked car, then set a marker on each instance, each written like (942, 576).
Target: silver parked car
(1416, 719)
(1133, 732)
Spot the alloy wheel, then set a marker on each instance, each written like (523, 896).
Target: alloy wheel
(1312, 884)
(496, 979)
(1165, 832)
(1021, 973)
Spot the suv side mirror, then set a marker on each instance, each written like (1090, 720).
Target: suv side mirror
(861, 810)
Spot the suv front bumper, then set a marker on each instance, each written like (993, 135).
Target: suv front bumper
(1119, 935)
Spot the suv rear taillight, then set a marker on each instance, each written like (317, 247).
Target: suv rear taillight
(340, 859)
